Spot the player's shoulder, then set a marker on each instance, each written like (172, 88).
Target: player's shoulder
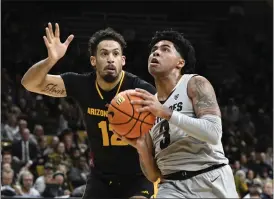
(132, 79)
(84, 75)
(131, 76)
(198, 83)
(136, 82)
(195, 79)
(77, 77)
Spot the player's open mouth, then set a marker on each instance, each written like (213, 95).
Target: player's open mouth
(110, 68)
(154, 61)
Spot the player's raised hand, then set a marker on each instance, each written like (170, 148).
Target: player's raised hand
(151, 104)
(56, 49)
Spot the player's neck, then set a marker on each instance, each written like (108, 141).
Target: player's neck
(165, 85)
(106, 86)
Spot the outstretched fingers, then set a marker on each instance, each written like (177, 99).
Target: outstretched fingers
(69, 39)
(57, 30)
(49, 38)
(50, 30)
(46, 41)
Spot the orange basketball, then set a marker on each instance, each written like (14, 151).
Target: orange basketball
(125, 120)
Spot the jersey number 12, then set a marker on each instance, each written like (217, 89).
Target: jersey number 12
(114, 139)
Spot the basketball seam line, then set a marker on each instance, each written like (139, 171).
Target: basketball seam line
(136, 120)
(130, 118)
(127, 115)
(143, 122)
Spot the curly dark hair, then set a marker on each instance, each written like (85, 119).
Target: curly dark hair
(105, 34)
(181, 44)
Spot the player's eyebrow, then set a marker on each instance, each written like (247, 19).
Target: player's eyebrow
(163, 45)
(103, 49)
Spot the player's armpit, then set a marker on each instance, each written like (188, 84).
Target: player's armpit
(203, 97)
(53, 86)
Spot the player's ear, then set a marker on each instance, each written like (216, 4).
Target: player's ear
(93, 61)
(181, 63)
(123, 60)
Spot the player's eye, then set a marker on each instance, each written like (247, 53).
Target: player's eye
(152, 50)
(116, 53)
(104, 54)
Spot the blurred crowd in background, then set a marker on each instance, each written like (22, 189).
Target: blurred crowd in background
(43, 140)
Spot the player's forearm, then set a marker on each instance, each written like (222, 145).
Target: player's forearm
(37, 73)
(208, 128)
(149, 166)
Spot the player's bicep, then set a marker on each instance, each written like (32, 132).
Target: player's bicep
(53, 86)
(203, 97)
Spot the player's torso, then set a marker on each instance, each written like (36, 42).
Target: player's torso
(111, 155)
(174, 148)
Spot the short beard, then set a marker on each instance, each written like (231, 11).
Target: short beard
(110, 78)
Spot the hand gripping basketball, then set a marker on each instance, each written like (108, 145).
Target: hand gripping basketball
(124, 118)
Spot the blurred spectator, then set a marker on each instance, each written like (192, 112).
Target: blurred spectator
(241, 70)
(7, 159)
(11, 128)
(231, 112)
(265, 169)
(78, 173)
(246, 124)
(250, 177)
(240, 183)
(43, 148)
(64, 168)
(24, 151)
(38, 132)
(269, 156)
(243, 162)
(54, 144)
(267, 190)
(7, 183)
(255, 189)
(40, 183)
(67, 138)
(237, 166)
(59, 156)
(25, 185)
(56, 186)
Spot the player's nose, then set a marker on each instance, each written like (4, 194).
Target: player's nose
(156, 53)
(110, 59)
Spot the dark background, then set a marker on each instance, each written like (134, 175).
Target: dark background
(233, 42)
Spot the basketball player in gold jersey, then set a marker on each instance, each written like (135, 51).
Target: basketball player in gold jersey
(109, 177)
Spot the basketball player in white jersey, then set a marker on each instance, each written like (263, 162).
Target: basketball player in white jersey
(184, 148)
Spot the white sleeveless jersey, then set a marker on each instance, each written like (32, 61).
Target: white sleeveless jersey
(174, 149)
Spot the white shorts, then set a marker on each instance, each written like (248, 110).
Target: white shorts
(218, 183)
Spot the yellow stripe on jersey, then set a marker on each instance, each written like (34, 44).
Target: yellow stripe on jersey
(118, 90)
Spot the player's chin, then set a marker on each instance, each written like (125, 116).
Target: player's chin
(153, 71)
(110, 77)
